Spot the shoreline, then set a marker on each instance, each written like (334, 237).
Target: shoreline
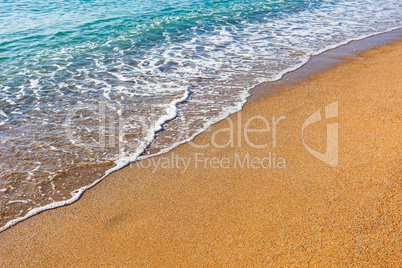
(322, 61)
(326, 60)
(126, 176)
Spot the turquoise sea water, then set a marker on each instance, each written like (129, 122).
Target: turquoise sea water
(86, 85)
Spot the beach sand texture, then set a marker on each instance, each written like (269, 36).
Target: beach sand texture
(300, 212)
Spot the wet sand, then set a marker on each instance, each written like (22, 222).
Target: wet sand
(261, 200)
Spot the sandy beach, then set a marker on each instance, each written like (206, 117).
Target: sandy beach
(263, 188)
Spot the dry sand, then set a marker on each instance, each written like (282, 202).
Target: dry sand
(303, 212)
